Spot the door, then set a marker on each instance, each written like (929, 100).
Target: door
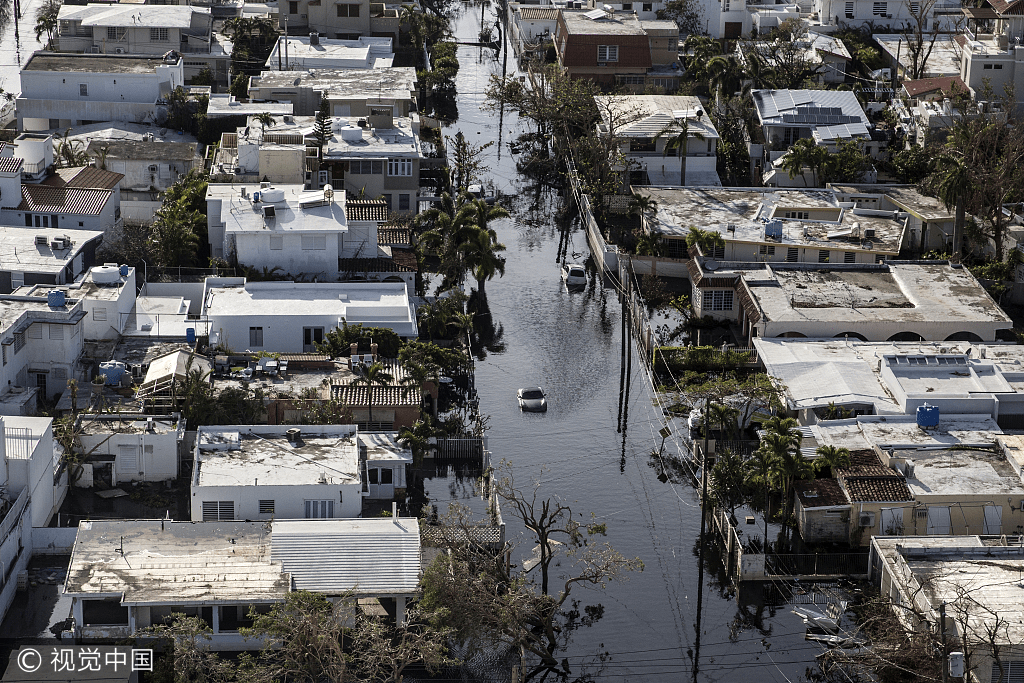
(311, 336)
(939, 523)
(733, 29)
(381, 482)
(41, 385)
(993, 520)
(892, 522)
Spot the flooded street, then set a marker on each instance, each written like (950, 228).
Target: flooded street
(569, 343)
(16, 49)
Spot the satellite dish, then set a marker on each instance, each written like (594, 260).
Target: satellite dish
(710, 264)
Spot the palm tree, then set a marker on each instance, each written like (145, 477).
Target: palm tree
(786, 426)
(480, 252)
(830, 459)
(705, 240)
(790, 463)
(451, 229)
(680, 141)
(725, 416)
(761, 474)
(46, 21)
(265, 119)
(642, 205)
(956, 183)
(805, 154)
(69, 153)
(724, 75)
(370, 376)
(417, 438)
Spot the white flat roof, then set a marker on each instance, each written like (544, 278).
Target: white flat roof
(19, 251)
(378, 143)
(397, 83)
(227, 105)
(648, 116)
(134, 16)
(243, 214)
(817, 372)
(364, 53)
(739, 215)
(242, 455)
(376, 304)
(897, 292)
(944, 59)
(895, 431)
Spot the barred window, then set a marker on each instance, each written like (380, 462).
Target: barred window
(214, 510)
(319, 509)
(607, 53)
(767, 250)
(400, 167)
(266, 507)
(35, 331)
(792, 254)
(849, 257)
(823, 256)
(721, 300)
(19, 341)
(159, 35)
(314, 242)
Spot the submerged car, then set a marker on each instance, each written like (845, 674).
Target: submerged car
(574, 274)
(531, 400)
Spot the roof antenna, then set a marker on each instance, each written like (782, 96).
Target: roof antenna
(120, 551)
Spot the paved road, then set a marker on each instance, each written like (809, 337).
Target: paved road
(16, 50)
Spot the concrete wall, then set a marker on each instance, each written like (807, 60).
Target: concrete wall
(156, 454)
(823, 525)
(15, 549)
(258, 250)
(289, 501)
(33, 470)
(53, 540)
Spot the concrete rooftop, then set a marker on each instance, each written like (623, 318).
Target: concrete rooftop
(85, 63)
(396, 83)
(242, 214)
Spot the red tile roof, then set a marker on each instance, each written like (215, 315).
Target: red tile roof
(1007, 6)
(84, 177)
(820, 493)
(46, 198)
(877, 489)
(10, 164)
(929, 85)
(393, 235)
(366, 210)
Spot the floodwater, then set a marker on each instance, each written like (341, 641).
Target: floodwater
(569, 343)
(16, 46)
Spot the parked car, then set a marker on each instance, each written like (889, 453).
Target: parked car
(477, 192)
(574, 275)
(531, 400)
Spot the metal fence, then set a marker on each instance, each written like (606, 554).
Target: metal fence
(816, 564)
(465, 448)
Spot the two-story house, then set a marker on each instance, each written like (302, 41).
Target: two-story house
(893, 13)
(149, 168)
(348, 20)
(301, 53)
(349, 92)
(145, 30)
(617, 49)
(645, 131)
(65, 90)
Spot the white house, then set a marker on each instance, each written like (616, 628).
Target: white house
(971, 580)
(40, 346)
(289, 317)
(943, 60)
(149, 168)
(306, 53)
(643, 126)
(126, 575)
(293, 472)
(350, 92)
(29, 256)
(532, 28)
(892, 13)
(135, 447)
(114, 29)
(64, 90)
(34, 194)
(32, 487)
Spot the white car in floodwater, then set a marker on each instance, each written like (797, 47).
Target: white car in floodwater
(574, 275)
(531, 400)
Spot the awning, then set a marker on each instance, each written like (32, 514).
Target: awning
(980, 13)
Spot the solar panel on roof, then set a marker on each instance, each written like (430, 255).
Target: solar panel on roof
(595, 14)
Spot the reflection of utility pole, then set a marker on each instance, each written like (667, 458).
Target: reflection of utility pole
(703, 533)
(942, 630)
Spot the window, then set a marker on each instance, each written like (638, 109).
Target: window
(276, 242)
(403, 202)
(998, 67)
(627, 7)
(387, 200)
(366, 167)
(267, 506)
(607, 53)
(642, 144)
(849, 10)
(35, 331)
(849, 257)
(632, 80)
(17, 279)
(717, 251)
(648, 7)
(158, 35)
(402, 167)
(879, 258)
(987, 67)
(311, 336)
(99, 314)
(111, 33)
(293, 8)
(719, 300)
(56, 331)
(19, 341)
(5, 353)
(129, 459)
(823, 256)
(256, 336)
(880, 9)
(767, 250)
(319, 509)
(348, 10)
(792, 254)
(83, 89)
(915, 8)
(799, 215)
(214, 510)
(314, 242)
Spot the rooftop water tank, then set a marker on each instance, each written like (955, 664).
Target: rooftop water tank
(773, 228)
(927, 416)
(190, 335)
(124, 270)
(113, 370)
(272, 195)
(106, 275)
(350, 133)
(55, 298)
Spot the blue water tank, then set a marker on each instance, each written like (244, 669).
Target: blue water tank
(190, 335)
(113, 370)
(773, 228)
(55, 298)
(255, 197)
(927, 416)
(124, 271)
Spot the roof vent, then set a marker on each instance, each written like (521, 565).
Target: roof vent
(293, 435)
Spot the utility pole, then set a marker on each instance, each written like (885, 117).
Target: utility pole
(942, 631)
(703, 537)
